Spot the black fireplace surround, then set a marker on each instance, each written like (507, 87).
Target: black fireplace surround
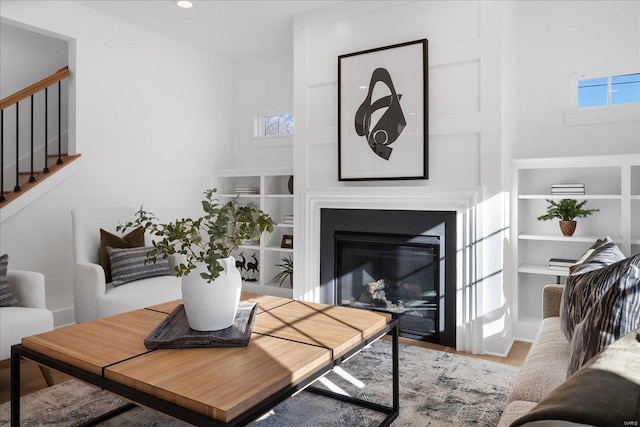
(396, 261)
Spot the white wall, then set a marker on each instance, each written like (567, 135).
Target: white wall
(556, 41)
(152, 118)
(261, 84)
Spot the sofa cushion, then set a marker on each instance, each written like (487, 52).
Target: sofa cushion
(19, 322)
(614, 315)
(588, 282)
(604, 392)
(131, 264)
(134, 239)
(6, 296)
(545, 366)
(156, 290)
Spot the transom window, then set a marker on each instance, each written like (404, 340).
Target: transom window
(275, 124)
(609, 90)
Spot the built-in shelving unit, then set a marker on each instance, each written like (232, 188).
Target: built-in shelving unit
(612, 185)
(273, 197)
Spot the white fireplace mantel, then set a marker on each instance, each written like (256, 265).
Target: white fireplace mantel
(462, 200)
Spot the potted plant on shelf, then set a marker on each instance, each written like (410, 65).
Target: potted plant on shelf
(566, 210)
(286, 271)
(205, 245)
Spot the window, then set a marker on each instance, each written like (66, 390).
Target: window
(275, 124)
(611, 90)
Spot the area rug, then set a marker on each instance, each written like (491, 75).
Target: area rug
(436, 389)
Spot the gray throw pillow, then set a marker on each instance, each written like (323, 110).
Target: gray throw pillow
(586, 283)
(6, 296)
(130, 264)
(614, 315)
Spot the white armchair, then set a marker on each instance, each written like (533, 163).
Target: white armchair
(30, 316)
(93, 297)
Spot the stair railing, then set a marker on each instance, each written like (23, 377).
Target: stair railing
(15, 99)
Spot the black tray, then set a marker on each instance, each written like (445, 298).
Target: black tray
(174, 331)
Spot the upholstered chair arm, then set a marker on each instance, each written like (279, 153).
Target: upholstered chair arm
(89, 286)
(551, 297)
(28, 288)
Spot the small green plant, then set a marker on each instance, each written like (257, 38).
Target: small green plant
(286, 265)
(206, 239)
(566, 210)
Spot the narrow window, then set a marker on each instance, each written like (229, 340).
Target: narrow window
(275, 124)
(610, 90)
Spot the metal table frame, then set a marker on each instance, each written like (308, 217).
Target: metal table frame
(19, 352)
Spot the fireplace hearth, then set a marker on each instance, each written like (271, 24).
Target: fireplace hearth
(399, 262)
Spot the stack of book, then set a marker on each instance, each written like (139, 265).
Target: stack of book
(246, 190)
(561, 264)
(287, 220)
(567, 189)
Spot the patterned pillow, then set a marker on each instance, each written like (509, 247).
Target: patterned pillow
(602, 253)
(134, 239)
(130, 264)
(613, 316)
(6, 296)
(584, 284)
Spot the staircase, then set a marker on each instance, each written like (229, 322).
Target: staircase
(26, 161)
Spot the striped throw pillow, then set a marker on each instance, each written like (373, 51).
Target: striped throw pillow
(130, 264)
(586, 283)
(613, 316)
(6, 296)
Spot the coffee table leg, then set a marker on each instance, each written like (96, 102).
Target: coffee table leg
(15, 388)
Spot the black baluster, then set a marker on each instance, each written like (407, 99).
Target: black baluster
(31, 177)
(59, 123)
(46, 130)
(2, 199)
(17, 187)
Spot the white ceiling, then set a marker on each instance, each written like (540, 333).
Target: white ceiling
(232, 29)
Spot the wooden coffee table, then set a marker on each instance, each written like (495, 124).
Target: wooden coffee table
(293, 343)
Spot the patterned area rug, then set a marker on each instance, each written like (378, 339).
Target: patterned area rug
(436, 389)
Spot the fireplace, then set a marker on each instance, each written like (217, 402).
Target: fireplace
(397, 274)
(399, 262)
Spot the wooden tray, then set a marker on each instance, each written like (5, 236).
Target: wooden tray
(174, 331)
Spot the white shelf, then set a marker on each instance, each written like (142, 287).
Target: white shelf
(570, 196)
(560, 238)
(541, 269)
(274, 199)
(614, 184)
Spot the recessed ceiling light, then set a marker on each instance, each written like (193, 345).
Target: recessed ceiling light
(185, 4)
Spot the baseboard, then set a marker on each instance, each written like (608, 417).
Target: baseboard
(498, 346)
(63, 317)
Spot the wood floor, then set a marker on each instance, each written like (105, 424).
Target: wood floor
(32, 379)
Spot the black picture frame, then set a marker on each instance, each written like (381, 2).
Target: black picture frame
(383, 131)
(287, 241)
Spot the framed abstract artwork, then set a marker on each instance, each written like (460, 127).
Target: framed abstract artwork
(383, 113)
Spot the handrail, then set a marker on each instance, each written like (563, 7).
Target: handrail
(61, 74)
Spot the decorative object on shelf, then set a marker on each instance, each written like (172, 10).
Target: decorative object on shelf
(394, 145)
(561, 264)
(286, 271)
(206, 244)
(577, 189)
(566, 210)
(287, 220)
(290, 184)
(247, 190)
(252, 267)
(287, 241)
(241, 265)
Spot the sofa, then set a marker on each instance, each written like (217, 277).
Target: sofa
(583, 368)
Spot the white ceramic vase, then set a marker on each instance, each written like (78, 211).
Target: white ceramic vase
(212, 306)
